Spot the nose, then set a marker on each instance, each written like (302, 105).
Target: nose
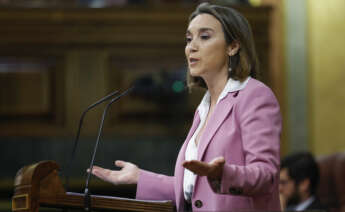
(192, 46)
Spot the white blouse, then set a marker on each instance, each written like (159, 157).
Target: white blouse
(192, 149)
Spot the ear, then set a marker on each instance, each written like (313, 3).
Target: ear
(233, 48)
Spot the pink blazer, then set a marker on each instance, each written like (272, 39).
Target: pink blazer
(245, 129)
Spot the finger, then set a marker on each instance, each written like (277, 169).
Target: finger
(120, 163)
(197, 163)
(101, 173)
(93, 167)
(218, 161)
(198, 167)
(96, 170)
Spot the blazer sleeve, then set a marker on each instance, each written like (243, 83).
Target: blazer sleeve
(152, 186)
(259, 118)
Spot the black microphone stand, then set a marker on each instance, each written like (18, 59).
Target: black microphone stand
(69, 165)
(87, 197)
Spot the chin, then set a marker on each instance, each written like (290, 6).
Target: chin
(195, 72)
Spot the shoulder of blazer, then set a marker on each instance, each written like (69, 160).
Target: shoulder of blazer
(252, 90)
(254, 84)
(255, 88)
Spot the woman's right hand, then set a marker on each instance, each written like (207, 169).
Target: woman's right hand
(128, 174)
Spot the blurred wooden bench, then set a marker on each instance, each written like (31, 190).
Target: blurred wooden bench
(331, 189)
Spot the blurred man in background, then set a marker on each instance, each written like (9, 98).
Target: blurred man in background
(299, 178)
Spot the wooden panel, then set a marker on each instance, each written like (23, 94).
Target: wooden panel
(30, 92)
(26, 87)
(89, 26)
(121, 45)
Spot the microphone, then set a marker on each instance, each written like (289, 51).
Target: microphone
(87, 198)
(69, 165)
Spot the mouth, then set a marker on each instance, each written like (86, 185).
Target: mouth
(193, 61)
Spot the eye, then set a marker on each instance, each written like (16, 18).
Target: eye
(188, 39)
(205, 36)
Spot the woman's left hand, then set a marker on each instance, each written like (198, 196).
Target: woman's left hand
(213, 170)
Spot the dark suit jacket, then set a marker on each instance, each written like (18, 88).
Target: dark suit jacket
(316, 205)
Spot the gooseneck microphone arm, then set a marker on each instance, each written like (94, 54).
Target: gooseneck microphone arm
(69, 165)
(87, 198)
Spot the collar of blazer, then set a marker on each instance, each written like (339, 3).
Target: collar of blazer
(230, 87)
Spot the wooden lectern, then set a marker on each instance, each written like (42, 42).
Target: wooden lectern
(39, 185)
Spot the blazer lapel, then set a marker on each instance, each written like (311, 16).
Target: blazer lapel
(221, 111)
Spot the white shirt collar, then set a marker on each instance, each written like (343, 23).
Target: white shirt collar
(231, 86)
(303, 205)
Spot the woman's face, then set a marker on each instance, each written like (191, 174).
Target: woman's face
(206, 49)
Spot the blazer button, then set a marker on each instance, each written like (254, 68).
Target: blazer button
(198, 204)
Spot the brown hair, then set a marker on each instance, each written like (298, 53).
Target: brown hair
(236, 28)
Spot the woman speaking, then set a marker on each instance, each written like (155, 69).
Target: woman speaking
(230, 158)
